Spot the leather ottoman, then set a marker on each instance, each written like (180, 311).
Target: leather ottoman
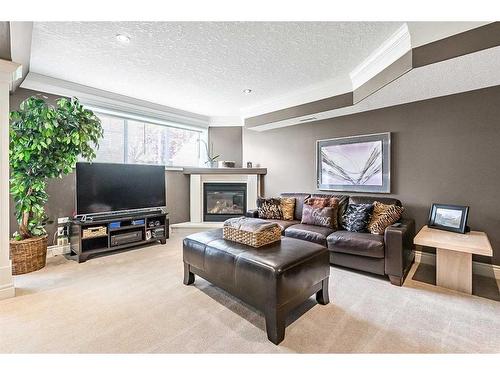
(273, 279)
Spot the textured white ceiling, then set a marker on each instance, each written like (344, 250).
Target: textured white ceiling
(204, 66)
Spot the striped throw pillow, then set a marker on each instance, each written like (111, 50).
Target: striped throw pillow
(383, 216)
(287, 207)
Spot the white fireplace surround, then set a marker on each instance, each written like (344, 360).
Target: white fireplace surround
(196, 190)
(199, 176)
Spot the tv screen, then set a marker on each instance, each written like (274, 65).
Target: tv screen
(104, 187)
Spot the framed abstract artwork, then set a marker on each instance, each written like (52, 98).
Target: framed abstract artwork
(357, 164)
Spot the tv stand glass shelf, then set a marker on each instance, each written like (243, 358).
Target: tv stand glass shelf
(116, 232)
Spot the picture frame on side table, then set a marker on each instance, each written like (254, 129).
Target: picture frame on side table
(359, 163)
(449, 217)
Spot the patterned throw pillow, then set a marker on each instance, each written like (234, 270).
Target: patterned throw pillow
(287, 207)
(322, 217)
(269, 208)
(320, 202)
(383, 216)
(357, 217)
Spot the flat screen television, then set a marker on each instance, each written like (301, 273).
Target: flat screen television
(105, 187)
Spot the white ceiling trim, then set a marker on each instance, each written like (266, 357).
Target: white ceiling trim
(391, 50)
(10, 72)
(222, 121)
(464, 73)
(112, 101)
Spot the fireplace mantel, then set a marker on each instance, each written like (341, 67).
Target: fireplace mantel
(241, 171)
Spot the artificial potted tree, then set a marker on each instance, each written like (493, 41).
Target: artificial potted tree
(45, 142)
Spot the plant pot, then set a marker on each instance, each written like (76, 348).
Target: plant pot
(28, 255)
(211, 164)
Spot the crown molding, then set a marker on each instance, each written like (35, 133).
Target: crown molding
(225, 121)
(390, 51)
(98, 98)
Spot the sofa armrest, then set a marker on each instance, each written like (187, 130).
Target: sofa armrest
(399, 254)
(252, 213)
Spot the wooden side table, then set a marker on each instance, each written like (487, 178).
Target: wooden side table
(454, 255)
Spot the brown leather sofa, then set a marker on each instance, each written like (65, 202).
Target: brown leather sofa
(390, 254)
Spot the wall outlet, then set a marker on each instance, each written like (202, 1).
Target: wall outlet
(62, 241)
(62, 220)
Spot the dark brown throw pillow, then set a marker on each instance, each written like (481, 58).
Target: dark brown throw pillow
(269, 208)
(323, 217)
(320, 203)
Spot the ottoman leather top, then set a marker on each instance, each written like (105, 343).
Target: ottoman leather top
(277, 257)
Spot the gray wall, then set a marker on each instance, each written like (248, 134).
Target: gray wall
(443, 150)
(177, 196)
(227, 141)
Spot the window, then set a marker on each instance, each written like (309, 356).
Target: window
(111, 146)
(138, 142)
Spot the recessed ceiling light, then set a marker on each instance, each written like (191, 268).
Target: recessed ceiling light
(122, 38)
(247, 91)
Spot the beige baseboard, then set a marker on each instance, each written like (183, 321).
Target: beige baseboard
(6, 287)
(479, 268)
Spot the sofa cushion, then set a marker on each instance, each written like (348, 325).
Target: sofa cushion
(365, 199)
(311, 233)
(269, 208)
(299, 202)
(357, 217)
(355, 243)
(284, 223)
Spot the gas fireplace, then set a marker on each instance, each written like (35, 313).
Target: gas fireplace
(222, 201)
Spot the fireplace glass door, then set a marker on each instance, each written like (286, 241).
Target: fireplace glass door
(222, 201)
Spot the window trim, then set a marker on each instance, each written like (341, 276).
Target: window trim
(150, 120)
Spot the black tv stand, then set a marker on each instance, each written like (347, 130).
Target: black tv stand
(105, 234)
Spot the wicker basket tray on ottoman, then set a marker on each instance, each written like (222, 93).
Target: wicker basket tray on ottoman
(274, 279)
(251, 232)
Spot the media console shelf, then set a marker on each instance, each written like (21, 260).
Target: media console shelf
(104, 235)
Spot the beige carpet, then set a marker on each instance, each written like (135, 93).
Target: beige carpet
(135, 302)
